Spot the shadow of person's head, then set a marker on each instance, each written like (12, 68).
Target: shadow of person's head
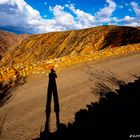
(52, 70)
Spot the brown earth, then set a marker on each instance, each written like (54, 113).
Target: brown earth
(8, 40)
(41, 47)
(23, 116)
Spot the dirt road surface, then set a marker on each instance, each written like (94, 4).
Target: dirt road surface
(23, 117)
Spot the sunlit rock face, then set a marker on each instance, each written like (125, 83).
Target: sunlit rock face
(33, 54)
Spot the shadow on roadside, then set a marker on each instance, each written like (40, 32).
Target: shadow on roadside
(115, 116)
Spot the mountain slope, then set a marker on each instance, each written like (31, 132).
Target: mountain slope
(58, 44)
(8, 40)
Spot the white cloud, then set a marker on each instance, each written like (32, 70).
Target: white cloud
(136, 8)
(104, 14)
(127, 21)
(83, 19)
(62, 18)
(134, 24)
(133, 21)
(7, 2)
(29, 19)
(128, 18)
(17, 14)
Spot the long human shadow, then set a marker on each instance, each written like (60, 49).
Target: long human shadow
(52, 91)
(115, 116)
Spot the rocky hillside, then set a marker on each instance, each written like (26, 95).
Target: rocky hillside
(8, 41)
(33, 54)
(58, 44)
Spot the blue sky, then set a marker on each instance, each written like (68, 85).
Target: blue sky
(41, 16)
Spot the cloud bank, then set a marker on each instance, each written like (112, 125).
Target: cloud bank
(20, 17)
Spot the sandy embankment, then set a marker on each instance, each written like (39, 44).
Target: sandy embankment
(26, 109)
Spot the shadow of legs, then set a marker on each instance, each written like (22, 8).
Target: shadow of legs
(57, 120)
(47, 125)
